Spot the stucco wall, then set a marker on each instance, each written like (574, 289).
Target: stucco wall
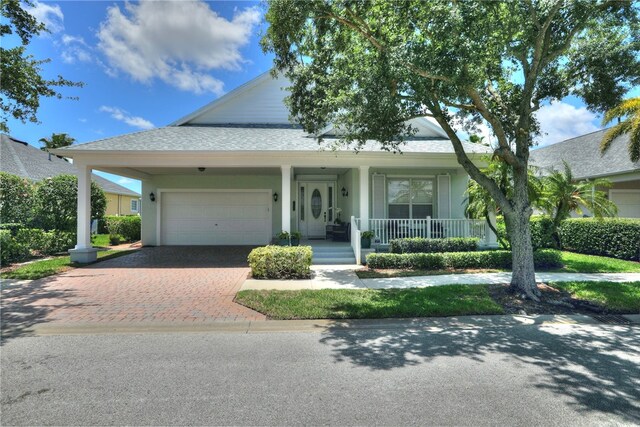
(119, 204)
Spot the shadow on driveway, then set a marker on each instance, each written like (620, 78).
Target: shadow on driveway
(593, 366)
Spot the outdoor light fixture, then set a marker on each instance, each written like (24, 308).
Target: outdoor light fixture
(152, 197)
(201, 169)
(275, 197)
(345, 193)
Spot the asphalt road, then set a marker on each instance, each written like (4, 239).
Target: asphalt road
(520, 375)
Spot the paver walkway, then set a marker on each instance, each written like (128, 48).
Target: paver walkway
(164, 284)
(343, 277)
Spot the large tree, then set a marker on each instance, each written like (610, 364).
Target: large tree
(369, 66)
(22, 82)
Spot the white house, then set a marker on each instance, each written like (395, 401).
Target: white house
(237, 172)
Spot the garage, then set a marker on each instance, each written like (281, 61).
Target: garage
(628, 202)
(217, 217)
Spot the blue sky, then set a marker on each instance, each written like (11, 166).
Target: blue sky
(145, 65)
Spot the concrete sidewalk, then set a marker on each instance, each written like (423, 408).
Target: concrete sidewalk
(344, 277)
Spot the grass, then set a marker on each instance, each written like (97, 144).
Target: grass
(453, 300)
(100, 240)
(573, 263)
(49, 267)
(616, 297)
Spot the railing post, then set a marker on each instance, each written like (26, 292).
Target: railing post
(428, 227)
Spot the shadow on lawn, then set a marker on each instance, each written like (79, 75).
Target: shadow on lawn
(591, 365)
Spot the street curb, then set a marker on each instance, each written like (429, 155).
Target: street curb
(320, 325)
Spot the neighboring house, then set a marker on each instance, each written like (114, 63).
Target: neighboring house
(582, 154)
(236, 172)
(22, 159)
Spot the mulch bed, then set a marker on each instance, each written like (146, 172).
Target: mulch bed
(552, 301)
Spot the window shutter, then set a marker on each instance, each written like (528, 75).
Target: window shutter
(379, 196)
(444, 196)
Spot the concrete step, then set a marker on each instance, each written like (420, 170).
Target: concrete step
(333, 261)
(324, 249)
(333, 254)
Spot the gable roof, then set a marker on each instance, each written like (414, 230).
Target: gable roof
(22, 159)
(582, 154)
(250, 137)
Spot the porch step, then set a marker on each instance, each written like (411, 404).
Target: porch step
(327, 255)
(333, 261)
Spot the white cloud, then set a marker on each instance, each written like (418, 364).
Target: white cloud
(560, 121)
(75, 49)
(49, 14)
(125, 181)
(125, 117)
(176, 42)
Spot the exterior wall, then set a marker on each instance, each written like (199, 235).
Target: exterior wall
(119, 204)
(221, 182)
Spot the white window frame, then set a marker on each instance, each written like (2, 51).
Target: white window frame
(390, 178)
(137, 208)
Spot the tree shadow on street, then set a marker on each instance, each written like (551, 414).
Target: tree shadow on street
(594, 366)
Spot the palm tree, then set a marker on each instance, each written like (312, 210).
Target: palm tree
(563, 196)
(481, 204)
(630, 109)
(57, 140)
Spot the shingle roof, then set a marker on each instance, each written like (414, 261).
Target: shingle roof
(19, 158)
(582, 153)
(244, 137)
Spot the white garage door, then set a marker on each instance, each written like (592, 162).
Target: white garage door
(215, 218)
(628, 202)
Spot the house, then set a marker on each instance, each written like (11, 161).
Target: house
(582, 154)
(22, 159)
(237, 172)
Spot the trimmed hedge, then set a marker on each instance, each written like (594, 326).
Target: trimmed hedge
(46, 242)
(11, 250)
(543, 258)
(422, 245)
(126, 226)
(617, 238)
(541, 232)
(281, 262)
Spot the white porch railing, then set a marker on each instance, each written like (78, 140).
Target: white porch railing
(355, 240)
(387, 229)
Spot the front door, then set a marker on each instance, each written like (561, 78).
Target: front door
(313, 209)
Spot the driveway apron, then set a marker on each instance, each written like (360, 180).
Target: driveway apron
(163, 284)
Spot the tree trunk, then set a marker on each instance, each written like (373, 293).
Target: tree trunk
(523, 279)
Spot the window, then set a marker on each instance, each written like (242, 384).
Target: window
(301, 203)
(134, 205)
(410, 198)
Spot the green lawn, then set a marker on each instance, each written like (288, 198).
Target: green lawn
(100, 240)
(48, 267)
(617, 297)
(573, 263)
(370, 304)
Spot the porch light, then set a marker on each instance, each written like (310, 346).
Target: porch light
(275, 197)
(345, 193)
(152, 197)
(201, 169)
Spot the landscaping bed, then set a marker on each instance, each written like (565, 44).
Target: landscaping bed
(441, 301)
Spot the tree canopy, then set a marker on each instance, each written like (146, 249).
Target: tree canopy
(22, 82)
(369, 66)
(629, 113)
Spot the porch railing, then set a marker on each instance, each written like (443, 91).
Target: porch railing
(355, 239)
(430, 228)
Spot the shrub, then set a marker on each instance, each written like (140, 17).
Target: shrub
(281, 262)
(32, 237)
(544, 258)
(421, 245)
(46, 242)
(13, 227)
(10, 249)
(541, 232)
(617, 238)
(126, 226)
(57, 201)
(16, 199)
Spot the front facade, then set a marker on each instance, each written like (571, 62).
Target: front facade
(236, 172)
(122, 204)
(583, 156)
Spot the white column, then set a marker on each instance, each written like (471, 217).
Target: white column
(285, 197)
(83, 252)
(364, 198)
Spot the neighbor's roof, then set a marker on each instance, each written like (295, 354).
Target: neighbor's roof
(19, 158)
(248, 137)
(582, 154)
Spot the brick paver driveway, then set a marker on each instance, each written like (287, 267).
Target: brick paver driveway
(164, 284)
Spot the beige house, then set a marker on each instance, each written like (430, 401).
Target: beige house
(22, 159)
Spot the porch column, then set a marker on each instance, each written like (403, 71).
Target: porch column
(83, 252)
(364, 198)
(286, 198)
